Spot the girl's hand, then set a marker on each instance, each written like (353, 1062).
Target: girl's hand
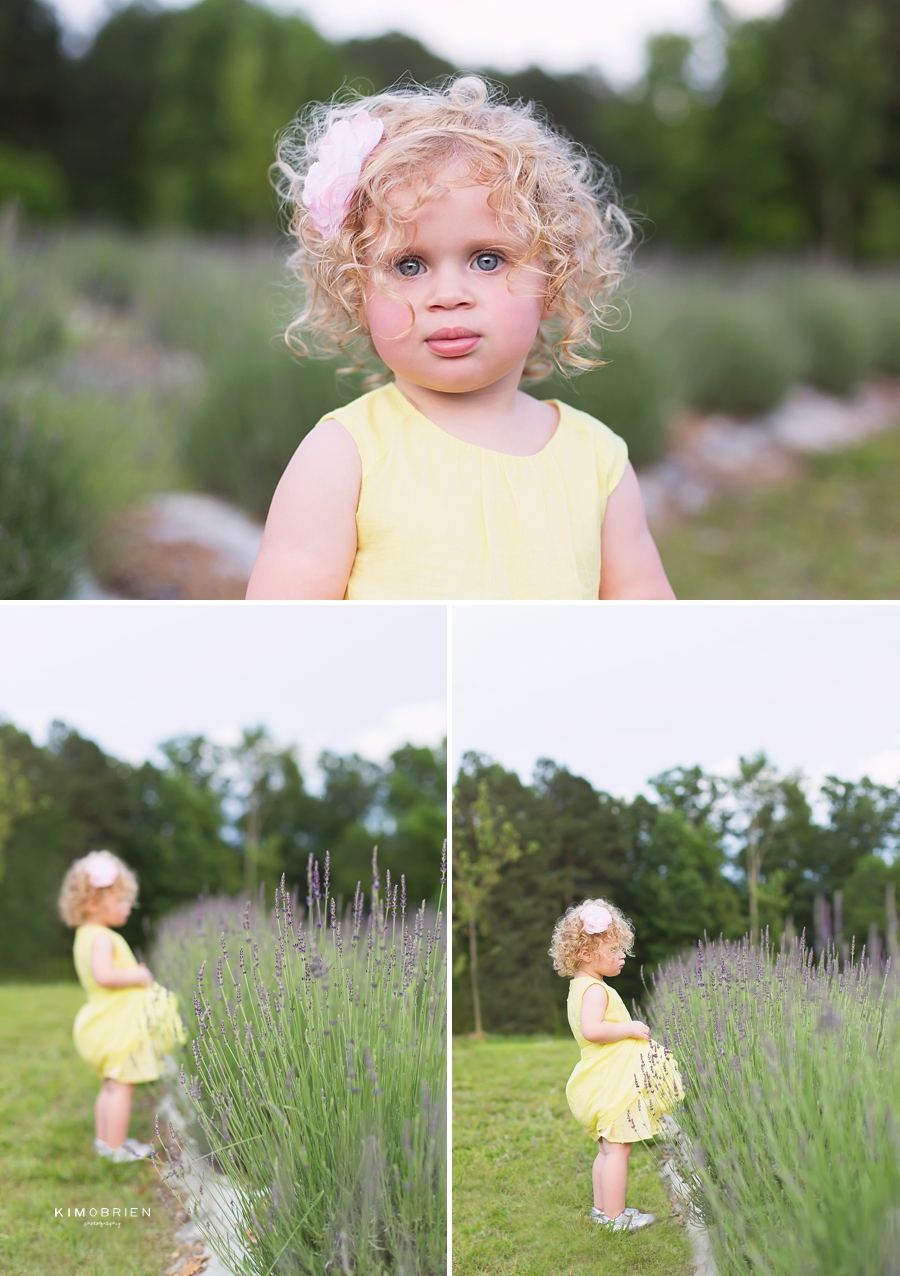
(639, 1030)
(146, 979)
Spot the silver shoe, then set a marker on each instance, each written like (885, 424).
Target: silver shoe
(597, 1216)
(130, 1150)
(626, 1222)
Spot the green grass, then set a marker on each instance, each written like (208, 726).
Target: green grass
(834, 534)
(522, 1173)
(47, 1160)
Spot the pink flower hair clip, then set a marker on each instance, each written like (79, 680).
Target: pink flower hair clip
(101, 868)
(332, 179)
(595, 919)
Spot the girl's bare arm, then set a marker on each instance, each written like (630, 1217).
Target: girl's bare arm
(310, 539)
(106, 974)
(594, 1026)
(630, 563)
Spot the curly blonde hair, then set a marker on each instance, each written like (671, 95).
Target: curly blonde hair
(77, 895)
(557, 205)
(570, 939)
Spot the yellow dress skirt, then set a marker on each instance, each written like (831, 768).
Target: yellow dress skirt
(619, 1090)
(123, 1033)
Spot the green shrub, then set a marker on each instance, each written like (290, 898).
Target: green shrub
(627, 394)
(885, 304)
(34, 182)
(31, 308)
(792, 1096)
(834, 324)
(317, 1081)
(42, 515)
(733, 354)
(69, 461)
(259, 404)
(105, 268)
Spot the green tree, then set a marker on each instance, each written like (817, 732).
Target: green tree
(834, 81)
(675, 890)
(489, 844)
(16, 798)
(32, 75)
(113, 91)
(415, 811)
(231, 76)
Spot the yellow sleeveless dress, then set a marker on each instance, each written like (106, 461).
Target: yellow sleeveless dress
(123, 1033)
(440, 518)
(619, 1090)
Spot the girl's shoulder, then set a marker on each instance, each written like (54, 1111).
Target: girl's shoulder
(579, 985)
(577, 421)
(582, 435)
(87, 933)
(371, 420)
(370, 409)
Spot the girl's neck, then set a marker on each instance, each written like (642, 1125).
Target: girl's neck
(499, 418)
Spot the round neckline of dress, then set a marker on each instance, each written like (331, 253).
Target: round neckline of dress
(476, 447)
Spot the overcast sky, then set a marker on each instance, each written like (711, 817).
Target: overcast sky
(619, 693)
(365, 678)
(563, 36)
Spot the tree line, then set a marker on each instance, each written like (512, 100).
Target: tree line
(786, 138)
(702, 854)
(207, 818)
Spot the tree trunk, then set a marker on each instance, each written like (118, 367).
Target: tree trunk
(753, 886)
(473, 969)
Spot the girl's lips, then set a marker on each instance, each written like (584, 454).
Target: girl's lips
(450, 342)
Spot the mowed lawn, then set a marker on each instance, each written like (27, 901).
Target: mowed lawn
(47, 1161)
(522, 1173)
(834, 534)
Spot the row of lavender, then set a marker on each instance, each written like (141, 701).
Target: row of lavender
(790, 1132)
(318, 1082)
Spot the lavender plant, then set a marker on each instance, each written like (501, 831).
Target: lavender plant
(317, 1087)
(790, 1131)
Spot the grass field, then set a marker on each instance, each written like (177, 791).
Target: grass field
(835, 534)
(521, 1173)
(47, 1160)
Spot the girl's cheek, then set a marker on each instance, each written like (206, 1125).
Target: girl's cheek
(387, 318)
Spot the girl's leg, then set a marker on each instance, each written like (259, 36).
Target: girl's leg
(612, 1174)
(113, 1111)
(597, 1177)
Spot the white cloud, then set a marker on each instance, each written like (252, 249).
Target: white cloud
(421, 723)
(882, 767)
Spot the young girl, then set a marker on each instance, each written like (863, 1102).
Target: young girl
(129, 1021)
(470, 247)
(624, 1082)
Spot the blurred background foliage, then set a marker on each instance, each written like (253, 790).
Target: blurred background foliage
(205, 818)
(785, 135)
(761, 166)
(675, 860)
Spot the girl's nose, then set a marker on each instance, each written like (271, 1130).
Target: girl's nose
(449, 289)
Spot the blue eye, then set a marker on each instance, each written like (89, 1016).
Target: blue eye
(487, 262)
(409, 267)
